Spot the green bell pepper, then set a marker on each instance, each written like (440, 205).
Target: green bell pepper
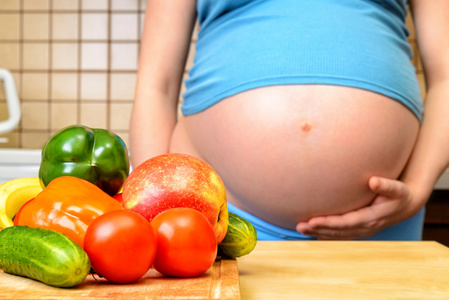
(96, 155)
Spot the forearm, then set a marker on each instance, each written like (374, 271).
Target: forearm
(165, 44)
(152, 122)
(431, 153)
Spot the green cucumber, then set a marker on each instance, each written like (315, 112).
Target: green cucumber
(240, 239)
(44, 255)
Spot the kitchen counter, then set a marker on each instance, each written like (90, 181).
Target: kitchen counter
(345, 270)
(281, 270)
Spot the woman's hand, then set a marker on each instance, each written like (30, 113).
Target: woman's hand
(393, 203)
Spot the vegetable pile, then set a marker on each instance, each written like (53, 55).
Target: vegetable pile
(90, 215)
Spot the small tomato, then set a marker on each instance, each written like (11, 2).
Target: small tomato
(121, 246)
(118, 197)
(186, 241)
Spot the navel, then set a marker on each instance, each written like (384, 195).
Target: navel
(305, 126)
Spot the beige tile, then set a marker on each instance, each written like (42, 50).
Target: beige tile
(64, 86)
(124, 56)
(94, 4)
(417, 59)
(2, 89)
(65, 5)
(409, 22)
(143, 4)
(35, 86)
(122, 86)
(94, 115)
(3, 105)
(2, 97)
(94, 26)
(10, 28)
(35, 115)
(196, 30)
(419, 66)
(125, 4)
(63, 115)
(124, 26)
(54, 131)
(35, 26)
(10, 139)
(9, 4)
(93, 86)
(34, 139)
(17, 79)
(124, 135)
(65, 56)
(190, 57)
(422, 83)
(414, 49)
(65, 26)
(141, 22)
(36, 4)
(35, 56)
(120, 116)
(94, 56)
(9, 56)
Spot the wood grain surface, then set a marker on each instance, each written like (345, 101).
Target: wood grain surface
(221, 281)
(345, 270)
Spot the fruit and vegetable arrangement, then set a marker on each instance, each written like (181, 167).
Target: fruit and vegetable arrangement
(87, 214)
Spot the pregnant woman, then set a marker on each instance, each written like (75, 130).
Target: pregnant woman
(309, 110)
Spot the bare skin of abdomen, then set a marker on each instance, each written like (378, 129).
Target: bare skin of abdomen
(289, 153)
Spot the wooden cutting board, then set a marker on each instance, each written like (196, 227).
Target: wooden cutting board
(221, 281)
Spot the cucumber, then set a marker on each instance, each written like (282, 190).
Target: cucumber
(240, 239)
(44, 255)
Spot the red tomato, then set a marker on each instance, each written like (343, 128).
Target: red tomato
(121, 246)
(186, 242)
(118, 197)
(16, 218)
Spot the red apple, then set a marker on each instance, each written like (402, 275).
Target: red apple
(177, 180)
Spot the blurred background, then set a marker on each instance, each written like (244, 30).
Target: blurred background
(73, 62)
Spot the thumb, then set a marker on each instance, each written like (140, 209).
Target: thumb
(387, 187)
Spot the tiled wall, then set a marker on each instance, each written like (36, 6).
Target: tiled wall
(75, 62)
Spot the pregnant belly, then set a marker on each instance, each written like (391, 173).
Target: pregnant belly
(289, 153)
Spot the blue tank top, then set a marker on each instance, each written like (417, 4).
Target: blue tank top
(246, 44)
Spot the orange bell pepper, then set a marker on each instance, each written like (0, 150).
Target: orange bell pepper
(68, 205)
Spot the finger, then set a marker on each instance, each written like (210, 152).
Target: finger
(342, 234)
(357, 224)
(387, 187)
(303, 226)
(332, 234)
(351, 220)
